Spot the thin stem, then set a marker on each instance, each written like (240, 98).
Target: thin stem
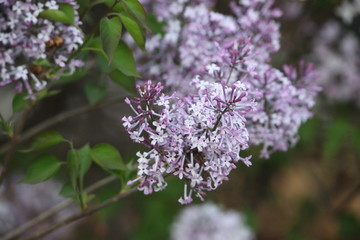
(81, 215)
(52, 211)
(59, 118)
(231, 71)
(347, 199)
(219, 119)
(13, 143)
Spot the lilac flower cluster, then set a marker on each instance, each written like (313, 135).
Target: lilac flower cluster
(25, 38)
(210, 222)
(337, 51)
(284, 103)
(198, 137)
(198, 133)
(195, 37)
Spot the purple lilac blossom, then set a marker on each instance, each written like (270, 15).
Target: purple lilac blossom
(195, 37)
(24, 37)
(197, 133)
(197, 138)
(210, 222)
(337, 52)
(284, 103)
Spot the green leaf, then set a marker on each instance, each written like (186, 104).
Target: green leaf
(95, 45)
(335, 137)
(124, 61)
(117, 7)
(67, 191)
(124, 81)
(73, 165)
(103, 64)
(110, 33)
(42, 62)
(19, 102)
(78, 163)
(65, 14)
(94, 3)
(94, 92)
(46, 93)
(85, 160)
(134, 29)
(7, 128)
(44, 168)
(136, 9)
(107, 157)
(45, 140)
(155, 26)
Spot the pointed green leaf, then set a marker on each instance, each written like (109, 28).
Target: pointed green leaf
(107, 157)
(44, 168)
(134, 29)
(19, 102)
(136, 9)
(94, 92)
(124, 81)
(85, 160)
(65, 14)
(45, 140)
(123, 60)
(42, 62)
(73, 165)
(46, 93)
(110, 33)
(67, 190)
(95, 45)
(155, 26)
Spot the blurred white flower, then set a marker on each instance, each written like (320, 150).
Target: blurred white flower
(209, 222)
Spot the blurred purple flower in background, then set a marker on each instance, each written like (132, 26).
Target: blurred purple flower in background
(337, 52)
(19, 203)
(209, 222)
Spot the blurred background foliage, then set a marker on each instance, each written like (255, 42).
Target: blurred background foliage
(311, 192)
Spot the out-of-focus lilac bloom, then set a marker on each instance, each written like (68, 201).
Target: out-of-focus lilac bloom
(210, 222)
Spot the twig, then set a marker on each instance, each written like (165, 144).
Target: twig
(13, 143)
(57, 119)
(52, 211)
(347, 199)
(80, 215)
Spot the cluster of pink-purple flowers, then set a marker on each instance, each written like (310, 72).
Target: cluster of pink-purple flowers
(198, 137)
(26, 38)
(227, 95)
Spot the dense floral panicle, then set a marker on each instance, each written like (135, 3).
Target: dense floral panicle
(199, 133)
(337, 51)
(210, 222)
(240, 45)
(25, 37)
(283, 105)
(197, 137)
(195, 36)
